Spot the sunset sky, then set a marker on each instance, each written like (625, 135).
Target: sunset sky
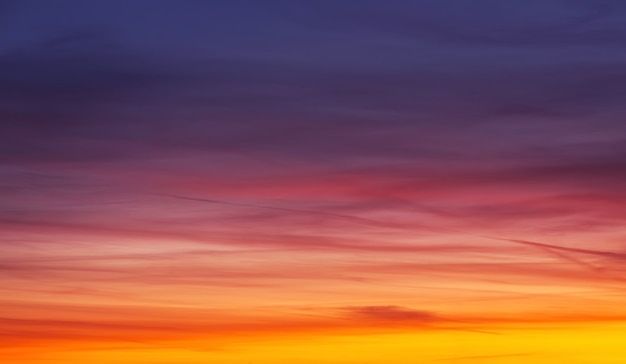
(312, 181)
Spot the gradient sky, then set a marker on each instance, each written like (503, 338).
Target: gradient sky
(312, 181)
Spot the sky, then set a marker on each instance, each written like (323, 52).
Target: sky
(312, 181)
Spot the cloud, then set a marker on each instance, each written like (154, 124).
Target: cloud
(391, 313)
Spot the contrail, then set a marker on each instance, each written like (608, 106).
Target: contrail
(558, 250)
(355, 219)
(563, 248)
